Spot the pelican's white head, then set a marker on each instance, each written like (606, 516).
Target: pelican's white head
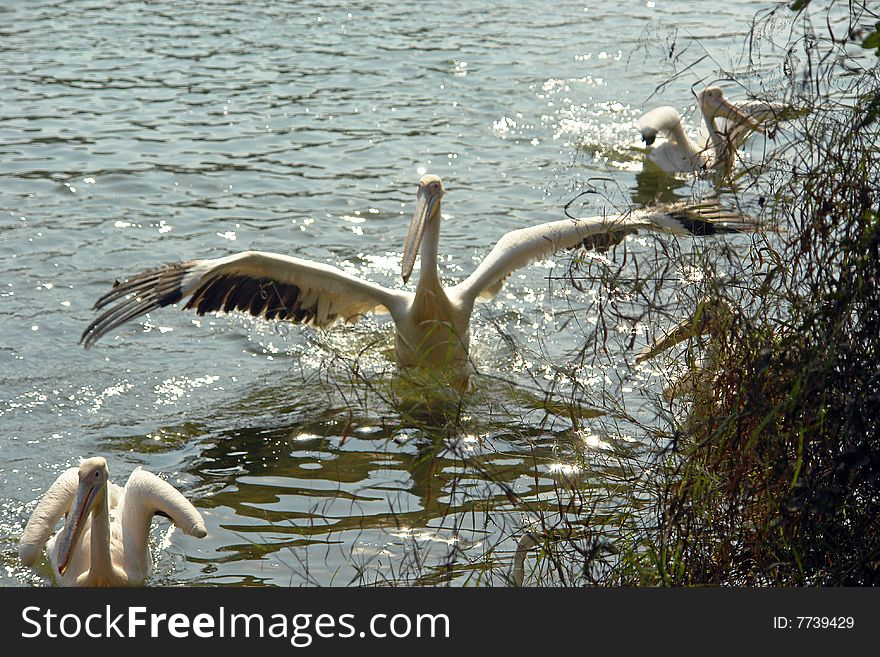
(663, 118)
(93, 477)
(427, 211)
(713, 104)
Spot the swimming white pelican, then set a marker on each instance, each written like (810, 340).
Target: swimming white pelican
(725, 127)
(105, 539)
(432, 323)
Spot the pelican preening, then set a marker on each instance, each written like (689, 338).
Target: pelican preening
(432, 323)
(105, 538)
(724, 129)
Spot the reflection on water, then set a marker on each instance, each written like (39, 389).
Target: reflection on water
(391, 499)
(359, 493)
(655, 186)
(134, 134)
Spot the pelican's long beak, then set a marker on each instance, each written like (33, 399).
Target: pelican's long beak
(85, 498)
(727, 110)
(426, 204)
(679, 333)
(704, 320)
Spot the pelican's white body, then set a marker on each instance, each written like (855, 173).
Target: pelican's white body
(113, 547)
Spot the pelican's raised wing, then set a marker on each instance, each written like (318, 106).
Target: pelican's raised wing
(520, 247)
(263, 284)
(762, 112)
(145, 495)
(55, 503)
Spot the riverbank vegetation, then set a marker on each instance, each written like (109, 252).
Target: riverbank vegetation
(765, 467)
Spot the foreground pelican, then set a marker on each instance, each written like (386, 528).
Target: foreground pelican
(716, 144)
(432, 323)
(105, 539)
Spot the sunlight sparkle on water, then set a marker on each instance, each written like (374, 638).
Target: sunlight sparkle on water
(172, 389)
(593, 441)
(425, 536)
(691, 274)
(111, 391)
(165, 543)
(503, 126)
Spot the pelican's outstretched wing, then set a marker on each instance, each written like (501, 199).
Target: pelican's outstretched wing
(268, 284)
(761, 112)
(55, 503)
(520, 247)
(145, 495)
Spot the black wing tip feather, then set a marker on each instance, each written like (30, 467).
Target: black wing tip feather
(221, 292)
(706, 218)
(702, 227)
(604, 242)
(151, 289)
(256, 296)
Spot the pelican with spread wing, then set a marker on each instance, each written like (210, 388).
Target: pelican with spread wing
(105, 538)
(432, 322)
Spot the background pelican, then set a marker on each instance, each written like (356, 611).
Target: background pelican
(432, 323)
(105, 539)
(724, 129)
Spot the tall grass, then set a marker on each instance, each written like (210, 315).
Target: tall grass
(765, 468)
(777, 478)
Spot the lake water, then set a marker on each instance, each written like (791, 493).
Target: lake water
(134, 134)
